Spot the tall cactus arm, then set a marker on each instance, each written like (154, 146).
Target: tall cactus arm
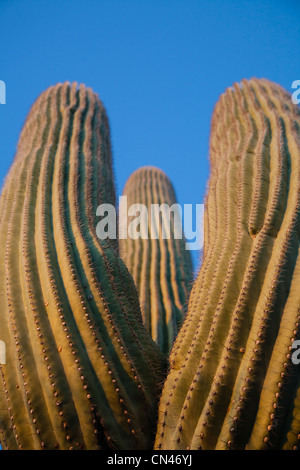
(161, 267)
(232, 381)
(81, 370)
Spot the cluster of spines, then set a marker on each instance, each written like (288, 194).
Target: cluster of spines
(161, 267)
(232, 383)
(81, 370)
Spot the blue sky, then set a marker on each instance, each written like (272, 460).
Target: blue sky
(159, 67)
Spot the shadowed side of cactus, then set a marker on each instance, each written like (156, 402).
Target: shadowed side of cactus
(81, 371)
(232, 382)
(156, 256)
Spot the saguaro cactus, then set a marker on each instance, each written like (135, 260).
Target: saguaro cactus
(158, 261)
(81, 371)
(232, 382)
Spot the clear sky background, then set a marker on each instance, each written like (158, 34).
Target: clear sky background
(159, 67)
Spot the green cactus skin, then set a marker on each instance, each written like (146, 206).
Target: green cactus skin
(162, 268)
(81, 371)
(232, 383)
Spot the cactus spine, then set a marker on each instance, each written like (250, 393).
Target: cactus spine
(161, 267)
(81, 370)
(232, 383)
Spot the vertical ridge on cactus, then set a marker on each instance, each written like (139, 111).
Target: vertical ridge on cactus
(232, 383)
(162, 266)
(81, 370)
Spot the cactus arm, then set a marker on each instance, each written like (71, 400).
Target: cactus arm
(161, 267)
(215, 387)
(249, 380)
(87, 373)
(226, 366)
